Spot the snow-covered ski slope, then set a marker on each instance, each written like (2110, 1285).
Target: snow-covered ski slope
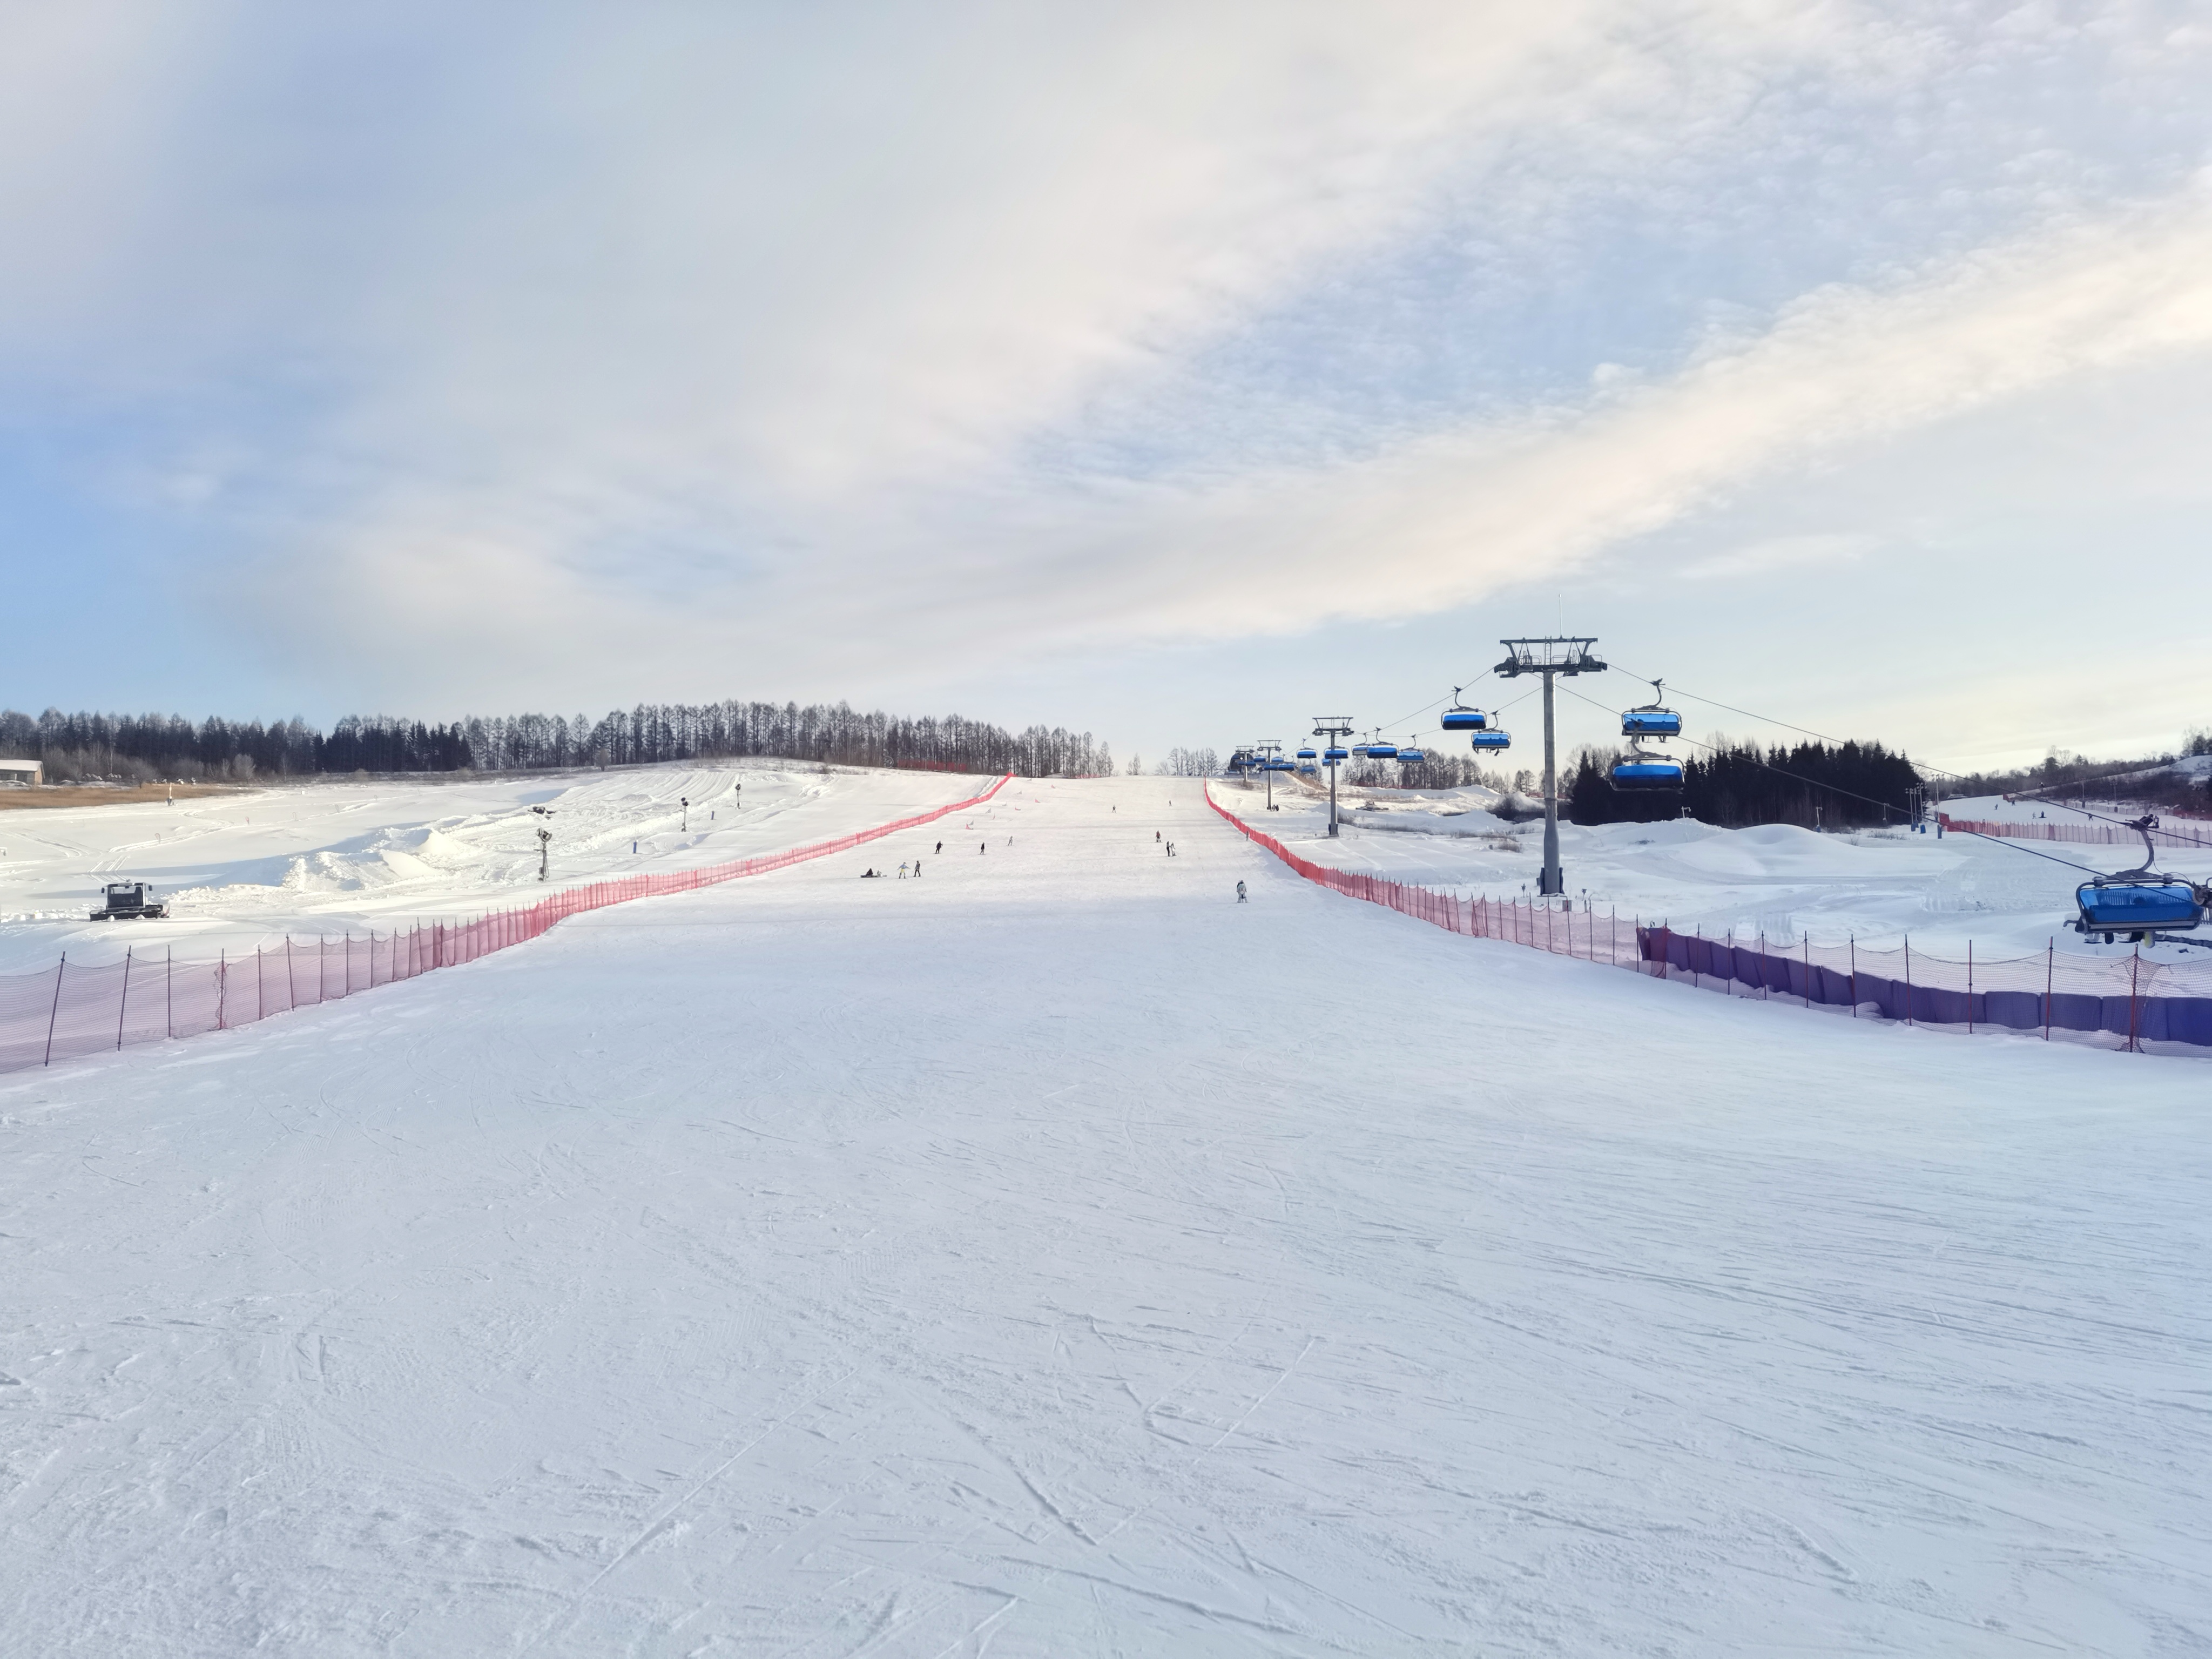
(2011, 898)
(240, 871)
(1051, 1255)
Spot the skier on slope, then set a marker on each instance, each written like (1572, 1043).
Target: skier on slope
(1240, 893)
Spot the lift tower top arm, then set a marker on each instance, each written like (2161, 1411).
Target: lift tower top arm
(1567, 653)
(1551, 656)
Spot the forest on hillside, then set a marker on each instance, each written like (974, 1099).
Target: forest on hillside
(141, 748)
(1845, 786)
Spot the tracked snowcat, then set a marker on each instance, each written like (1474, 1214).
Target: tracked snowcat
(125, 901)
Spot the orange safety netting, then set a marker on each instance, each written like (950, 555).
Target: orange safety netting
(72, 1010)
(2125, 997)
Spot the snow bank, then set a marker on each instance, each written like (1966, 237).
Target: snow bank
(1043, 1255)
(1777, 880)
(333, 856)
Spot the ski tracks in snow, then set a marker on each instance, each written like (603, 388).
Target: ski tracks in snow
(1051, 1255)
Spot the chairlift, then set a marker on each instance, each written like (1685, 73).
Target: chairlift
(1308, 753)
(1460, 718)
(1332, 755)
(1381, 752)
(1489, 739)
(1648, 769)
(2140, 904)
(1410, 757)
(1647, 773)
(1650, 720)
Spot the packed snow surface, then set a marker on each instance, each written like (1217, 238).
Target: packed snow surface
(1052, 1255)
(2010, 897)
(240, 872)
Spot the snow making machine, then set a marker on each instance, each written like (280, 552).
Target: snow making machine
(129, 901)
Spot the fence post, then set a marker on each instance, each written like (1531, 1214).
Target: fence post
(2135, 964)
(1855, 975)
(1970, 988)
(1807, 943)
(122, 1004)
(291, 984)
(54, 1011)
(169, 991)
(260, 1000)
(1762, 964)
(222, 987)
(2050, 962)
(1908, 979)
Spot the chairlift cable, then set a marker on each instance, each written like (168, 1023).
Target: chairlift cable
(1836, 789)
(1425, 707)
(1788, 724)
(2124, 823)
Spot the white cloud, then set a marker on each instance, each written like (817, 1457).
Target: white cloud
(1457, 514)
(1822, 551)
(551, 353)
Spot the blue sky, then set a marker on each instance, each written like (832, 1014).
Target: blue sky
(1170, 371)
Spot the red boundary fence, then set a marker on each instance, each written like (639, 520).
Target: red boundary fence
(2100, 997)
(71, 1010)
(2081, 835)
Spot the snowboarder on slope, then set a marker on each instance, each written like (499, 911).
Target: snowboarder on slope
(1240, 893)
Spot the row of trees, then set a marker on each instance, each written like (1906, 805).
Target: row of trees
(1841, 787)
(1183, 764)
(141, 747)
(1436, 772)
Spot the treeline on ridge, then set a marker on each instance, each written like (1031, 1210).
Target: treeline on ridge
(141, 748)
(1845, 786)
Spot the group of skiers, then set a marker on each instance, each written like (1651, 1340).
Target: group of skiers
(1160, 839)
(873, 874)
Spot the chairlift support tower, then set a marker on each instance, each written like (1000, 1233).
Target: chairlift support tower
(1551, 656)
(1269, 751)
(1336, 728)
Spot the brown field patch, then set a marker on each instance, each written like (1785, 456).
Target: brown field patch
(95, 794)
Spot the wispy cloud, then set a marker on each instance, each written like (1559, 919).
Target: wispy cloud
(1817, 552)
(548, 349)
